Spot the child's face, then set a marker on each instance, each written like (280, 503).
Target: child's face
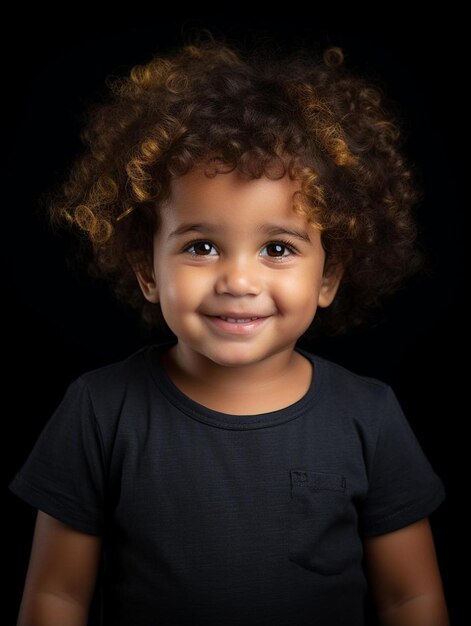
(221, 252)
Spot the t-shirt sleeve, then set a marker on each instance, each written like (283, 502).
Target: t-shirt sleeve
(64, 474)
(403, 487)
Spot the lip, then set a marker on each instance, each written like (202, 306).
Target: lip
(237, 328)
(238, 315)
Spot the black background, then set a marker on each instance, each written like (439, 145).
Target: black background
(58, 324)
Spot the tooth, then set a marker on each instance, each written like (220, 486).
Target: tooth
(238, 320)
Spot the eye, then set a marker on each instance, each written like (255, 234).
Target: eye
(199, 248)
(279, 249)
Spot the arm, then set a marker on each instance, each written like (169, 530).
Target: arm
(404, 577)
(61, 575)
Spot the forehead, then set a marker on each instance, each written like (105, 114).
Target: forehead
(231, 196)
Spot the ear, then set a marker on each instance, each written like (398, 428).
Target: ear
(330, 284)
(146, 279)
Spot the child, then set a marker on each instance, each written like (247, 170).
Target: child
(225, 475)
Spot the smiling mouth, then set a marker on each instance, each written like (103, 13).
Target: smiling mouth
(238, 320)
(238, 325)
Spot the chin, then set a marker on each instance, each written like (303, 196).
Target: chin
(224, 362)
(233, 359)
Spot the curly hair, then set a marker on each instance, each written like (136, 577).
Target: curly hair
(208, 102)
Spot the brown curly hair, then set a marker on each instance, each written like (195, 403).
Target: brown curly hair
(213, 103)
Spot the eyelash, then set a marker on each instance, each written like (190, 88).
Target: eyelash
(284, 242)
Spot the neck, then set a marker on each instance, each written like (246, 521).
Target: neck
(274, 383)
(200, 371)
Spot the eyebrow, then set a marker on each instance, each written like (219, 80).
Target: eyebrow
(275, 229)
(185, 228)
(267, 229)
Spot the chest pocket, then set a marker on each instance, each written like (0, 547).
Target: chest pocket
(321, 522)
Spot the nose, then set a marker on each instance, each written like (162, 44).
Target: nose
(238, 277)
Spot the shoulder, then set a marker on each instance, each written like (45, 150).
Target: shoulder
(341, 384)
(116, 373)
(123, 383)
(116, 396)
(357, 399)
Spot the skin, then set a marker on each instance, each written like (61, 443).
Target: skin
(61, 575)
(244, 374)
(405, 578)
(240, 269)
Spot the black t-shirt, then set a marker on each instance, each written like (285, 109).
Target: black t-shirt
(210, 518)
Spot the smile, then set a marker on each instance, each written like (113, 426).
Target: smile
(238, 320)
(236, 325)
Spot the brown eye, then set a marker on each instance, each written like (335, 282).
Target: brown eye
(277, 250)
(200, 248)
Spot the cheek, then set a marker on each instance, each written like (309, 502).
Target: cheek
(183, 288)
(297, 292)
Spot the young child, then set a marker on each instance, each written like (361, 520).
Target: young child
(222, 475)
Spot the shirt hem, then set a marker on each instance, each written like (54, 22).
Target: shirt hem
(406, 516)
(39, 499)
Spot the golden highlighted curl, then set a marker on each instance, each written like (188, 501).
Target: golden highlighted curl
(264, 113)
